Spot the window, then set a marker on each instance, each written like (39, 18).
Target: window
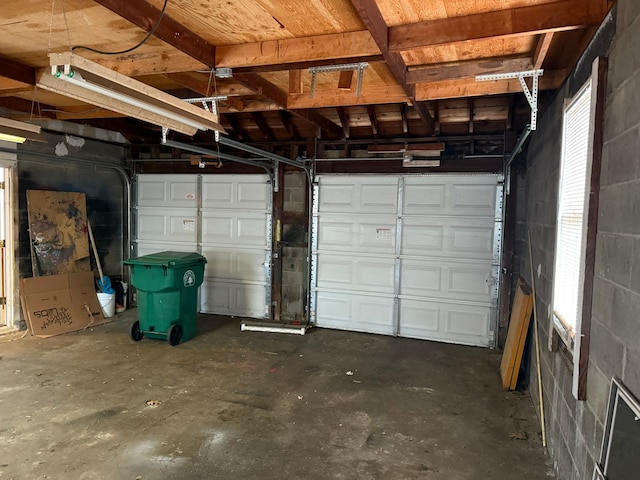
(576, 222)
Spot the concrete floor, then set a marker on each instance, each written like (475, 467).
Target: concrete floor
(247, 405)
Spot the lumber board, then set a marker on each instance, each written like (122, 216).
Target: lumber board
(516, 336)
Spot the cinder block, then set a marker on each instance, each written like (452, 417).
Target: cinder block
(614, 254)
(614, 125)
(628, 13)
(625, 321)
(631, 376)
(635, 266)
(597, 392)
(586, 424)
(620, 159)
(293, 180)
(606, 350)
(602, 300)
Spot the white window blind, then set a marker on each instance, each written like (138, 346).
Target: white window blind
(568, 277)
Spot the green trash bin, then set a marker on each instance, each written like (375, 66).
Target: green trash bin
(167, 284)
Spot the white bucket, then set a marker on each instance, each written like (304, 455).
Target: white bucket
(123, 307)
(107, 303)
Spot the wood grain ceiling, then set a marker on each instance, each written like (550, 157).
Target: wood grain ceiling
(423, 58)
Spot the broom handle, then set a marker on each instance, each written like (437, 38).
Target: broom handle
(95, 252)
(535, 325)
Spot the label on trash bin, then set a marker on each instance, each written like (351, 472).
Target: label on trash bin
(189, 278)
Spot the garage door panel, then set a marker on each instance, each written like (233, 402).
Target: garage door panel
(228, 298)
(232, 228)
(170, 225)
(175, 191)
(233, 264)
(445, 287)
(357, 234)
(449, 195)
(244, 192)
(361, 313)
(448, 237)
(356, 273)
(374, 195)
(147, 248)
(446, 322)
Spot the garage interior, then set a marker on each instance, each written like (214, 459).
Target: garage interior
(377, 175)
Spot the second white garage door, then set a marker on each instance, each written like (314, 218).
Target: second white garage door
(227, 218)
(415, 256)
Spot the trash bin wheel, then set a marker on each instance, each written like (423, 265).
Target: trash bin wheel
(134, 332)
(174, 335)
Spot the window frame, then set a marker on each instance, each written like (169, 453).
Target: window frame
(577, 343)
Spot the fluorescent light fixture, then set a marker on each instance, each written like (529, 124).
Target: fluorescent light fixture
(19, 132)
(79, 78)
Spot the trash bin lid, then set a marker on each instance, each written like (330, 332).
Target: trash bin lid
(168, 259)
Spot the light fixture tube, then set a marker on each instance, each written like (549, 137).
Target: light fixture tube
(19, 132)
(79, 78)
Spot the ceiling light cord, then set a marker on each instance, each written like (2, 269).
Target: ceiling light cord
(142, 42)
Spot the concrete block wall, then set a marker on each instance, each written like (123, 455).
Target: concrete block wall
(104, 189)
(294, 258)
(575, 428)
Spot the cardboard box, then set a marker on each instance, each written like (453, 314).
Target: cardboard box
(59, 304)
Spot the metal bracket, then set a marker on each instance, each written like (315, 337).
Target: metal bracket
(531, 94)
(359, 67)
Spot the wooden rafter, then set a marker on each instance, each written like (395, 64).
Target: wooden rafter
(202, 86)
(371, 111)
(547, 17)
(287, 122)
(27, 107)
(468, 69)
(145, 16)
(296, 86)
(542, 48)
(344, 120)
(403, 119)
(264, 128)
(346, 79)
(236, 126)
(372, 17)
(17, 71)
(267, 89)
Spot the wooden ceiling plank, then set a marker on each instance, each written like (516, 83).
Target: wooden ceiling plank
(291, 53)
(551, 80)
(235, 103)
(468, 69)
(372, 17)
(145, 16)
(17, 71)
(533, 19)
(542, 48)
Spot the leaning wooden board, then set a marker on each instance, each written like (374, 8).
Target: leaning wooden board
(516, 336)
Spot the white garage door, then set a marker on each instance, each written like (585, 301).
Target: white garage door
(415, 256)
(227, 218)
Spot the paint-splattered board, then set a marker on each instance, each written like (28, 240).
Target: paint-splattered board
(58, 232)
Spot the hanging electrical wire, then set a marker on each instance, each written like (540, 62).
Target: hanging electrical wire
(142, 42)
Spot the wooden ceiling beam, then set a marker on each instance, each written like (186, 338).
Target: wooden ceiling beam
(344, 120)
(145, 16)
(299, 53)
(468, 69)
(267, 89)
(158, 63)
(17, 71)
(304, 65)
(530, 20)
(551, 80)
(344, 98)
(205, 88)
(296, 85)
(375, 128)
(289, 126)
(372, 17)
(236, 126)
(28, 107)
(542, 48)
(263, 126)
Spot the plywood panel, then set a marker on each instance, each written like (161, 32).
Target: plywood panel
(58, 232)
(516, 336)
